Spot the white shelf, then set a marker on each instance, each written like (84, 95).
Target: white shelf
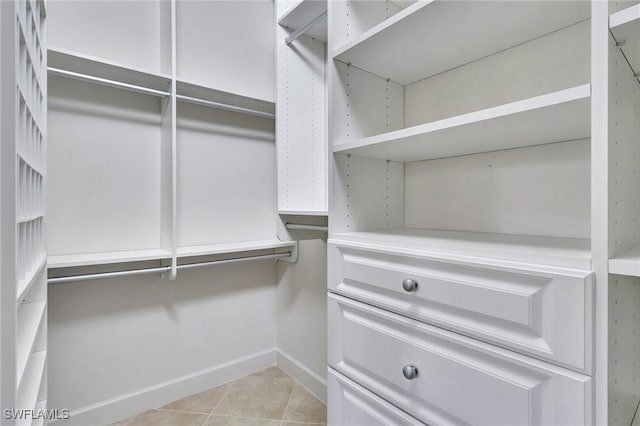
(86, 259)
(554, 117)
(30, 386)
(430, 37)
(627, 263)
(101, 68)
(303, 212)
(25, 284)
(484, 248)
(30, 316)
(625, 26)
(236, 247)
(303, 12)
(202, 92)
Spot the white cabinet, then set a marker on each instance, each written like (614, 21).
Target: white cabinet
(467, 159)
(538, 311)
(457, 380)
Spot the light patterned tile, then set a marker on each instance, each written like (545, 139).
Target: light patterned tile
(262, 395)
(302, 424)
(123, 422)
(168, 418)
(202, 402)
(274, 372)
(240, 421)
(304, 407)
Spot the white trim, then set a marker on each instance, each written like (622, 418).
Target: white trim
(302, 374)
(128, 404)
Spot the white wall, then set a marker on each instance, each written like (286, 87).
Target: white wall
(120, 338)
(302, 316)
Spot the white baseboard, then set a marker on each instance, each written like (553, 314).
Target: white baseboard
(303, 375)
(127, 405)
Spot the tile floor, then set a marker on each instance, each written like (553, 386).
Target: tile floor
(266, 398)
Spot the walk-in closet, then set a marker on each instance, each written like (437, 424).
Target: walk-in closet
(320, 212)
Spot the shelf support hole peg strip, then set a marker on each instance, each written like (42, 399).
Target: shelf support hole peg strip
(304, 227)
(297, 33)
(107, 82)
(165, 269)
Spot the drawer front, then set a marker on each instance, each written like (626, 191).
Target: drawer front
(459, 380)
(350, 404)
(543, 314)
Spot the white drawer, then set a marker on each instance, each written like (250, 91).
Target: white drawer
(459, 381)
(349, 404)
(542, 312)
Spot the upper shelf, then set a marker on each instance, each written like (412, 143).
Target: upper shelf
(486, 248)
(85, 65)
(625, 26)
(430, 37)
(303, 12)
(237, 247)
(87, 259)
(199, 94)
(554, 117)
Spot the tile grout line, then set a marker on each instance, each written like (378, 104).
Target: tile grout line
(293, 389)
(218, 403)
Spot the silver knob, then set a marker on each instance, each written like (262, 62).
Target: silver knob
(409, 285)
(410, 372)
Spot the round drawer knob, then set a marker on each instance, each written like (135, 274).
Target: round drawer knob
(410, 372)
(409, 285)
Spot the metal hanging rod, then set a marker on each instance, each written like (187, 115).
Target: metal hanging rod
(303, 227)
(297, 33)
(164, 269)
(107, 82)
(227, 107)
(86, 277)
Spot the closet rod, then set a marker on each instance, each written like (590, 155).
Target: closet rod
(297, 33)
(164, 269)
(107, 82)
(227, 107)
(303, 227)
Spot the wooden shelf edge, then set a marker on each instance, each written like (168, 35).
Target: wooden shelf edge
(556, 253)
(89, 259)
(627, 263)
(625, 16)
(228, 248)
(401, 15)
(303, 212)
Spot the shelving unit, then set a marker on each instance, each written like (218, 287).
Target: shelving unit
(555, 117)
(414, 36)
(301, 139)
(189, 130)
(463, 151)
(23, 218)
